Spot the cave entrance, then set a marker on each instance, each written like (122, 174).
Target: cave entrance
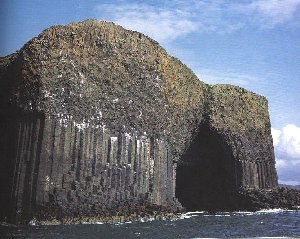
(206, 175)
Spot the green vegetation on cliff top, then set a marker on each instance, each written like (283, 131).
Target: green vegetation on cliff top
(96, 72)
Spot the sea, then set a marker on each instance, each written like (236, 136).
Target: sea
(275, 223)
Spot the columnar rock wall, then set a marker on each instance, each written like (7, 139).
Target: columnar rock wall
(96, 118)
(86, 170)
(231, 150)
(241, 119)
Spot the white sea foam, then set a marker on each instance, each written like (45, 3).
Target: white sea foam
(99, 223)
(263, 211)
(243, 213)
(222, 215)
(183, 216)
(196, 212)
(275, 210)
(228, 214)
(148, 219)
(191, 214)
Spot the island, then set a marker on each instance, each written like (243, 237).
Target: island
(99, 122)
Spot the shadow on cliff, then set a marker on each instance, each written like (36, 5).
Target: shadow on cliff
(207, 175)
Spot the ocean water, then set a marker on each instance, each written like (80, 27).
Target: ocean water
(265, 223)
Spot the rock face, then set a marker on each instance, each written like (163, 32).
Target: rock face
(99, 120)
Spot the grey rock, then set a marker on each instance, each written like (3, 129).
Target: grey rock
(98, 121)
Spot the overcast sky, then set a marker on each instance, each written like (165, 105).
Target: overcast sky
(251, 43)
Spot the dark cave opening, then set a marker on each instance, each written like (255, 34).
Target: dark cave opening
(206, 175)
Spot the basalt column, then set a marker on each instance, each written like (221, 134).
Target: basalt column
(65, 170)
(232, 150)
(241, 118)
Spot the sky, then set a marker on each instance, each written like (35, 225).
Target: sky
(254, 44)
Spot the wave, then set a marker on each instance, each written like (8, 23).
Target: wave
(182, 216)
(274, 210)
(228, 214)
(191, 214)
(263, 211)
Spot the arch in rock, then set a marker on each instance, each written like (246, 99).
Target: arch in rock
(206, 176)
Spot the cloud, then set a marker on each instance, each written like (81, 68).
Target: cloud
(162, 24)
(276, 136)
(166, 21)
(287, 142)
(273, 12)
(289, 182)
(226, 76)
(287, 152)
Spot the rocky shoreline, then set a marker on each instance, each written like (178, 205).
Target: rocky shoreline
(280, 197)
(155, 215)
(123, 213)
(248, 200)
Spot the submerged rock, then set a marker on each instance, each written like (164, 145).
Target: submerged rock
(97, 120)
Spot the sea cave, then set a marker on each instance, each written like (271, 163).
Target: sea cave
(206, 175)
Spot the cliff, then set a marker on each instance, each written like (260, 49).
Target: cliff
(97, 120)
